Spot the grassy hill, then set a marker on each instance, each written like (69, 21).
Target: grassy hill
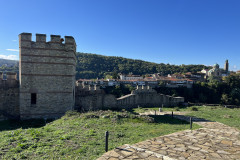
(80, 135)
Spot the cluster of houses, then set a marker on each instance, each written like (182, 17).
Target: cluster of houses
(156, 80)
(153, 81)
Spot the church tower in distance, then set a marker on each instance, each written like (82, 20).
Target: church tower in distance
(226, 66)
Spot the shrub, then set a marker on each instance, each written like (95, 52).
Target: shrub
(194, 109)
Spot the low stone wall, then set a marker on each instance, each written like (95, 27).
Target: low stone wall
(94, 99)
(147, 97)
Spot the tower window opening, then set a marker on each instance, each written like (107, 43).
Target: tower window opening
(33, 98)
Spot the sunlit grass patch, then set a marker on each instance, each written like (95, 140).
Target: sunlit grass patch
(81, 135)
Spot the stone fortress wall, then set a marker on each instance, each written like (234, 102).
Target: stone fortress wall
(89, 97)
(93, 98)
(47, 75)
(145, 96)
(9, 96)
(47, 89)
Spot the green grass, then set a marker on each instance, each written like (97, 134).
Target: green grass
(81, 135)
(230, 117)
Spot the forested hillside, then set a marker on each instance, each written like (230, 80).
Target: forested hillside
(98, 66)
(7, 62)
(8, 65)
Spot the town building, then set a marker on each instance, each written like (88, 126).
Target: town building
(216, 71)
(195, 76)
(130, 77)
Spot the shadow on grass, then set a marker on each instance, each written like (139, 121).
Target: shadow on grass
(167, 119)
(24, 124)
(194, 119)
(184, 119)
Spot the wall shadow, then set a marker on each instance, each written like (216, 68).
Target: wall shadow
(194, 119)
(167, 119)
(6, 125)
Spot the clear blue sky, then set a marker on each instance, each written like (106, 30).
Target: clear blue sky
(162, 31)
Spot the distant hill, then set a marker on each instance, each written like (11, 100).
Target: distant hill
(8, 62)
(98, 66)
(7, 65)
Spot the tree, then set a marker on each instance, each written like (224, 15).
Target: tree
(162, 84)
(225, 99)
(115, 75)
(235, 96)
(130, 87)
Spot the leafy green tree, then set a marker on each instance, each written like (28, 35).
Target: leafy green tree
(130, 87)
(225, 99)
(235, 96)
(115, 75)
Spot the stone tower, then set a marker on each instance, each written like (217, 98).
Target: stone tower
(226, 66)
(47, 75)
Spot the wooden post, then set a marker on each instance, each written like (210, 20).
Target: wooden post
(191, 123)
(106, 140)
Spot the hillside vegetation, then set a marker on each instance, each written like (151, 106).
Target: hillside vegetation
(8, 65)
(91, 66)
(98, 66)
(81, 135)
(212, 92)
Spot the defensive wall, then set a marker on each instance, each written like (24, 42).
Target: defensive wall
(145, 96)
(91, 97)
(9, 96)
(47, 89)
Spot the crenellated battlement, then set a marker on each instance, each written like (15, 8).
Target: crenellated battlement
(143, 89)
(41, 37)
(10, 80)
(56, 38)
(11, 76)
(56, 42)
(25, 37)
(69, 40)
(8, 76)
